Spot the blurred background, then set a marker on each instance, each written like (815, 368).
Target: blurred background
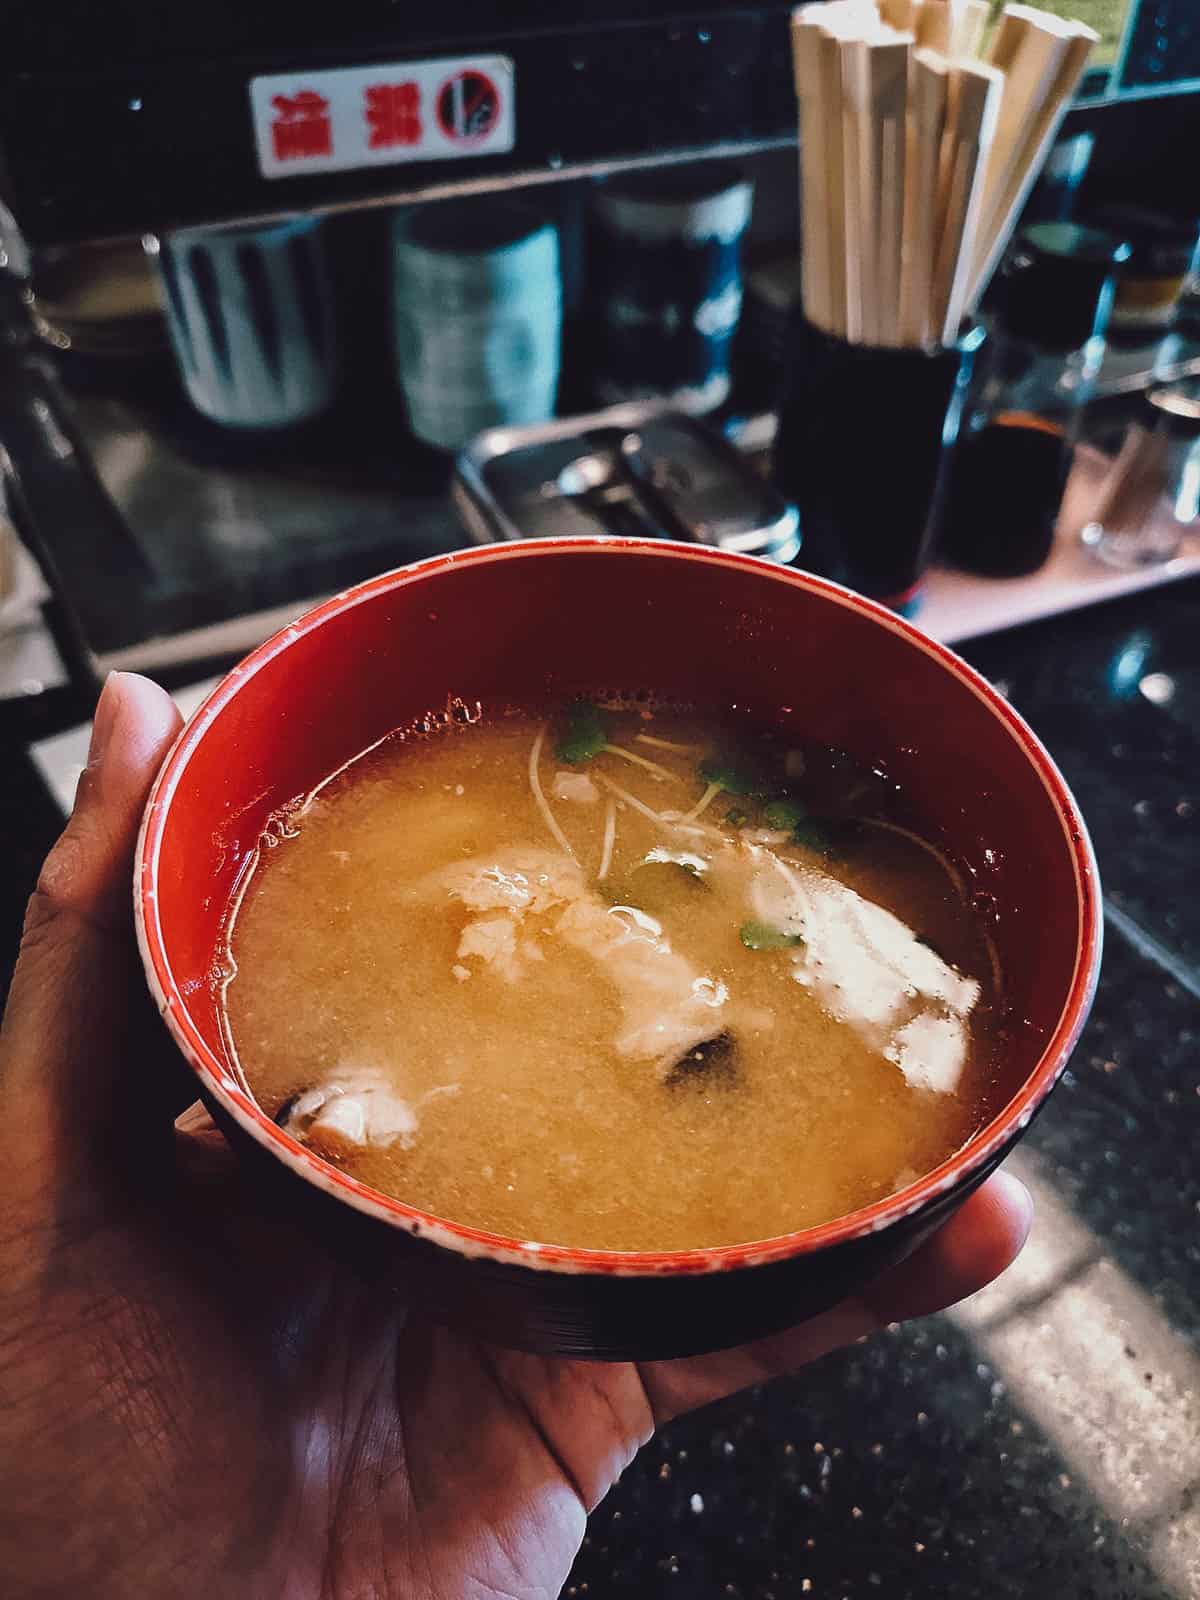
(206, 427)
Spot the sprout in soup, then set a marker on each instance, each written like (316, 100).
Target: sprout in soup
(623, 977)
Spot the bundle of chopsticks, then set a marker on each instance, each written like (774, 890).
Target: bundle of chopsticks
(923, 128)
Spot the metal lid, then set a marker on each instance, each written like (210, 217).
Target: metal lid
(631, 470)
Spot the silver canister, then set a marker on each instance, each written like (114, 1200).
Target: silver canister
(476, 317)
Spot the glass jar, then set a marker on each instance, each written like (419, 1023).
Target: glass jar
(1151, 494)
(1017, 445)
(1161, 251)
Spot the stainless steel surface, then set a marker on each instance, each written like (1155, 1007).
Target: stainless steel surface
(632, 468)
(211, 530)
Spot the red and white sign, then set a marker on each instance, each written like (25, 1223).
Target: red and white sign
(376, 116)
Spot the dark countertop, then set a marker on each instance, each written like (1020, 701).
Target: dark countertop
(1045, 1438)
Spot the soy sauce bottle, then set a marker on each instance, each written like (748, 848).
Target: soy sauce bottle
(1015, 451)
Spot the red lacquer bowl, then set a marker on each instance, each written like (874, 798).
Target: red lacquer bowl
(554, 619)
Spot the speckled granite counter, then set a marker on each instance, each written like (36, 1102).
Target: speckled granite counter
(1043, 1440)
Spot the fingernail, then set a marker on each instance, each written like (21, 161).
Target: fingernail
(105, 719)
(1019, 1200)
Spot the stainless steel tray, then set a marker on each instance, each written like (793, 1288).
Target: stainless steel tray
(631, 469)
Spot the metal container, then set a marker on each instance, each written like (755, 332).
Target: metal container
(633, 470)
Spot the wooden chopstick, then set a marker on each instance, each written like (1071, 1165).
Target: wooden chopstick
(900, 14)
(855, 231)
(814, 199)
(968, 24)
(825, 21)
(952, 27)
(916, 157)
(835, 176)
(932, 26)
(1011, 28)
(1029, 47)
(875, 69)
(890, 64)
(1035, 143)
(973, 98)
(927, 83)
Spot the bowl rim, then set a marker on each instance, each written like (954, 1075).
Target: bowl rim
(957, 1169)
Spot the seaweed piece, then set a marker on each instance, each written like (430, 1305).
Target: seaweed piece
(784, 813)
(734, 776)
(289, 1105)
(709, 1062)
(584, 735)
(655, 886)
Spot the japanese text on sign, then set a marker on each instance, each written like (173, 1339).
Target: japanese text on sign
(365, 116)
(393, 111)
(301, 126)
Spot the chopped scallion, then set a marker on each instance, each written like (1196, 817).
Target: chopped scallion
(784, 813)
(584, 734)
(732, 776)
(760, 936)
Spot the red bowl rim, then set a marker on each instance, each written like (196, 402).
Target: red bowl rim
(954, 1172)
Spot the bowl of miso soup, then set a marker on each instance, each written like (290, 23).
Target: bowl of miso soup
(621, 948)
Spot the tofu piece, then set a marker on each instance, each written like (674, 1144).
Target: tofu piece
(870, 971)
(357, 1107)
(667, 1007)
(576, 787)
(522, 880)
(528, 899)
(495, 940)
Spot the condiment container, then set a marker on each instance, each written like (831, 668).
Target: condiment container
(1017, 443)
(476, 318)
(772, 302)
(1161, 252)
(1151, 495)
(664, 284)
(866, 436)
(250, 313)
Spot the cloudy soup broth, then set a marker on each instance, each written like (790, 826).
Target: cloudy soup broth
(617, 976)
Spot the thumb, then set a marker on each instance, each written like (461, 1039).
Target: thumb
(78, 1018)
(965, 1254)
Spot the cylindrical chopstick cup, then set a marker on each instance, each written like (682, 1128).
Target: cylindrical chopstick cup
(864, 442)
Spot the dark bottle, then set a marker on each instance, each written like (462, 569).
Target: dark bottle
(1015, 450)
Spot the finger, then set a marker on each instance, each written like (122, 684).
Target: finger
(975, 1246)
(90, 869)
(195, 1119)
(78, 1025)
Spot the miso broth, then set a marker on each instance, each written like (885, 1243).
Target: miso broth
(627, 978)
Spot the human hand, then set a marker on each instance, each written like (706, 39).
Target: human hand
(195, 1400)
